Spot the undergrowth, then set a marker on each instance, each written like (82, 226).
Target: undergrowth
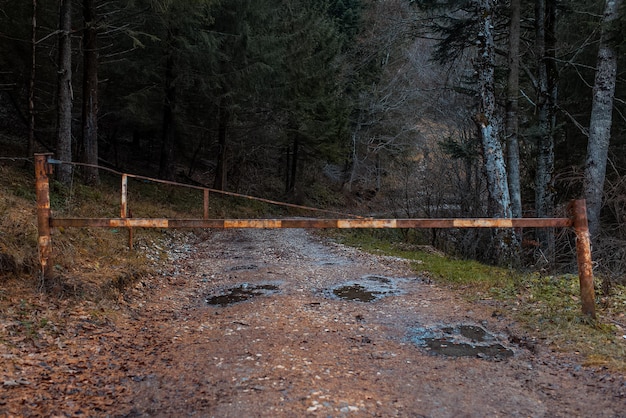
(95, 263)
(548, 306)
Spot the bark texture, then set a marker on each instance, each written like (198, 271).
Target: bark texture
(166, 170)
(490, 126)
(90, 92)
(221, 170)
(545, 19)
(601, 119)
(64, 95)
(512, 109)
(487, 120)
(31, 86)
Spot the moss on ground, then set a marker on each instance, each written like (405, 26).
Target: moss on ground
(96, 263)
(547, 305)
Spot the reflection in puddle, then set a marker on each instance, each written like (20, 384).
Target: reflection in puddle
(355, 292)
(368, 288)
(380, 279)
(241, 293)
(460, 341)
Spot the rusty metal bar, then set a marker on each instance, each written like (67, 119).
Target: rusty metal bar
(578, 210)
(42, 186)
(311, 223)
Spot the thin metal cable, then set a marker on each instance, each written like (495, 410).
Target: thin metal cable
(222, 192)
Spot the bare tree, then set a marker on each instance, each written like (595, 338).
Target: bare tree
(90, 92)
(64, 95)
(489, 125)
(512, 109)
(545, 20)
(601, 118)
(31, 86)
(488, 120)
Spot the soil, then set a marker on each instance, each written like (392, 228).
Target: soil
(284, 323)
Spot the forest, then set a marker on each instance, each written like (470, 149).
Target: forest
(395, 108)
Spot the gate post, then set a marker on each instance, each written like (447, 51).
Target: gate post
(42, 186)
(578, 210)
(124, 212)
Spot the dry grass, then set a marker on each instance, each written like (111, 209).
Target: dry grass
(94, 263)
(18, 223)
(95, 266)
(91, 264)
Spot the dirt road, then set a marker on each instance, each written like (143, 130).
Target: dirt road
(267, 323)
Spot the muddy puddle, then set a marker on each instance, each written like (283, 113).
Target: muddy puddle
(367, 289)
(241, 293)
(462, 340)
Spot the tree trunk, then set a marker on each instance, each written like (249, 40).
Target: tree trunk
(601, 119)
(512, 108)
(222, 131)
(286, 167)
(489, 125)
(90, 93)
(488, 121)
(64, 95)
(545, 19)
(294, 166)
(31, 86)
(512, 125)
(169, 124)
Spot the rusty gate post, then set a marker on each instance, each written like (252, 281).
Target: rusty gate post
(206, 204)
(124, 212)
(578, 210)
(124, 197)
(42, 186)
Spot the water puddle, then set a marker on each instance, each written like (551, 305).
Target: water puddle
(355, 292)
(367, 289)
(241, 293)
(460, 341)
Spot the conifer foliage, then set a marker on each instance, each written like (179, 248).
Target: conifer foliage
(299, 100)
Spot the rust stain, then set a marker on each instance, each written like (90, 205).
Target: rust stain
(311, 223)
(252, 223)
(366, 223)
(483, 223)
(583, 257)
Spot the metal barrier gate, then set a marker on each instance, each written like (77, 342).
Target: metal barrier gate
(43, 169)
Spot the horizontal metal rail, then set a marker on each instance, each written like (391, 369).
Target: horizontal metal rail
(45, 222)
(311, 223)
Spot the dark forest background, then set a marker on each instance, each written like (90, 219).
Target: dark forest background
(390, 108)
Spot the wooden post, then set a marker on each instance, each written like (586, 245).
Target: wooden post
(124, 197)
(206, 203)
(42, 185)
(124, 212)
(578, 210)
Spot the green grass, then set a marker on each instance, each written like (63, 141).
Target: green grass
(547, 306)
(453, 271)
